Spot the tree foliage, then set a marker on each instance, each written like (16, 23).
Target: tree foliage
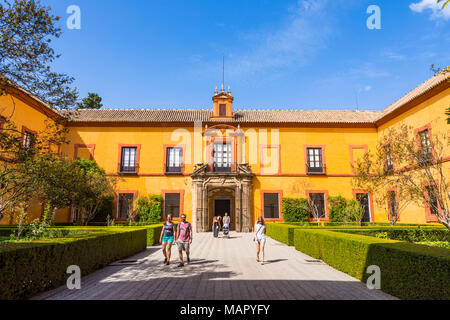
(93, 189)
(17, 162)
(417, 175)
(149, 209)
(295, 209)
(27, 29)
(92, 101)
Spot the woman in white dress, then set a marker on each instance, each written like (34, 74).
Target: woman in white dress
(260, 238)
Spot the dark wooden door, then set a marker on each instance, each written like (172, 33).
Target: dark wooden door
(222, 206)
(363, 199)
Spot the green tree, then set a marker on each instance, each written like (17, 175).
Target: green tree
(419, 175)
(17, 184)
(354, 212)
(93, 189)
(58, 182)
(26, 56)
(295, 209)
(92, 101)
(149, 209)
(337, 208)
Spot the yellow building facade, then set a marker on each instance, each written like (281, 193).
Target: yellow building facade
(208, 162)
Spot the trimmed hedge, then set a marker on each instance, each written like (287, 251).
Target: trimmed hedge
(404, 234)
(154, 232)
(281, 232)
(27, 268)
(408, 271)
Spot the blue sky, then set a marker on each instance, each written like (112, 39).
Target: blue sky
(302, 54)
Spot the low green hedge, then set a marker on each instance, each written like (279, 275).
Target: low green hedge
(281, 232)
(27, 268)
(408, 271)
(404, 234)
(154, 232)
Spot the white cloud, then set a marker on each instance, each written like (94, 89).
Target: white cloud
(293, 43)
(367, 88)
(432, 5)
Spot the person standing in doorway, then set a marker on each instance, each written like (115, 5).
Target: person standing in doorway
(215, 227)
(184, 239)
(260, 238)
(227, 220)
(167, 238)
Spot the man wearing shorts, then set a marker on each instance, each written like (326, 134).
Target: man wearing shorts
(184, 239)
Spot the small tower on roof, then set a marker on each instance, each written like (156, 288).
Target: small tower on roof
(222, 105)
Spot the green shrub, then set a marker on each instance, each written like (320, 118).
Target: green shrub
(27, 268)
(281, 232)
(105, 209)
(408, 271)
(336, 208)
(295, 209)
(404, 234)
(153, 233)
(149, 209)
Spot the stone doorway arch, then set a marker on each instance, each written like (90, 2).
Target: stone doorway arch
(206, 184)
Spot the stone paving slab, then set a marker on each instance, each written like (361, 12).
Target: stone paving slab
(220, 269)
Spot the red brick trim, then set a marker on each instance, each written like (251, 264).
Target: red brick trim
(138, 153)
(327, 216)
(116, 207)
(372, 211)
(324, 159)
(280, 197)
(91, 148)
(261, 158)
(352, 160)
(164, 192)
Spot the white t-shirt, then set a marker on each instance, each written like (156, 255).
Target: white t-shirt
(259, 229)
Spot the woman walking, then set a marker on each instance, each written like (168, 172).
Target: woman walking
(167, 238)
(215, 227)
(260, 238)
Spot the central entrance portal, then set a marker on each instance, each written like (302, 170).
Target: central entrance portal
(222, 206)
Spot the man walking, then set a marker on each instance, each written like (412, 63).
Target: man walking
(184, 239)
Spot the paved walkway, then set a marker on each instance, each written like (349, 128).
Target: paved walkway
(221, 269)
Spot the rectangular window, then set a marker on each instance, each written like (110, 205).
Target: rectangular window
(425, 144)
(28, 139)
(315, 164)
(388, 158)
(128, 163)
(393, 209)
(317, 205)
(222, 157)
(432, 201)
(271, 206)
(222, 110)
(174, 159)
(172, 204)
(125, 207)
